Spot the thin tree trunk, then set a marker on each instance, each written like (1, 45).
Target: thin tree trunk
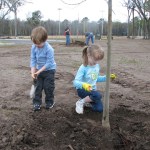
(133, 25)
(15, 12)
(149, 28)
(128, 34)
(105, 119)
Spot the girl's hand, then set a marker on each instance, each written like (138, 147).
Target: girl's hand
(87, 87)
(113, 76)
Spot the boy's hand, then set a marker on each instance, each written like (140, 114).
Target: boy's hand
(113, 76)
(37, 73)
(33, 75)
(33, 70)
(87, 87)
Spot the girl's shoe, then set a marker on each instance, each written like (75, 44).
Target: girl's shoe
(79, 107)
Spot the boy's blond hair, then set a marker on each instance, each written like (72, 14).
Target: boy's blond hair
(39, 35)
(93, 50)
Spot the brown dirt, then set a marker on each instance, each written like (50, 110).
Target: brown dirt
(61, 128)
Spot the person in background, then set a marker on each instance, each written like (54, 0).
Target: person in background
(89, 36)
(43, 68)
(87, 77)
(67, 34)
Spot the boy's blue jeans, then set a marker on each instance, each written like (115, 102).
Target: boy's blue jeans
(95, 96)
(45, 80)
(67, 39)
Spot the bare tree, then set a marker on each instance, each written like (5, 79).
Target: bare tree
(7, 6)
(141, 9)
(130, 8)
(4, 8)
(14, 4)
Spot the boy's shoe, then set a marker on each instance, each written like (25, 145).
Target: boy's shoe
(48, 106)
(89, 105)
(36, 107)
(79, 107)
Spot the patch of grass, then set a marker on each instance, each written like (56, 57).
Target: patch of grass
(5, 44)
(125, 60)
(69, 49)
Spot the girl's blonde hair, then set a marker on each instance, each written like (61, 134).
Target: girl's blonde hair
(93, 50)
(39, 35)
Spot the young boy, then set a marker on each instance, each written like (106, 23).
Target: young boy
(43, 68)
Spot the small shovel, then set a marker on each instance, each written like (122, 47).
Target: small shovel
(33, 87)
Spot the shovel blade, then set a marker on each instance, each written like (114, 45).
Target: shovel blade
(32, 91)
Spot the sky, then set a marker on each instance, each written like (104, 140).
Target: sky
(93, 9)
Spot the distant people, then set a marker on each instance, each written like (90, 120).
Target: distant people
(43, 66)
(67, 33)
(89, 36)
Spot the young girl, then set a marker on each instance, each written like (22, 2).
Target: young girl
(43, 68)
(86, 79)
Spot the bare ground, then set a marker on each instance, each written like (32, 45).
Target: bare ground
(61, 128)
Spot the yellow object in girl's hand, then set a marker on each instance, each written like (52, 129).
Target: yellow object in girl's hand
(87, 87)
(113, 76)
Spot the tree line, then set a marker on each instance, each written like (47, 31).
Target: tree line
(77, 27)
